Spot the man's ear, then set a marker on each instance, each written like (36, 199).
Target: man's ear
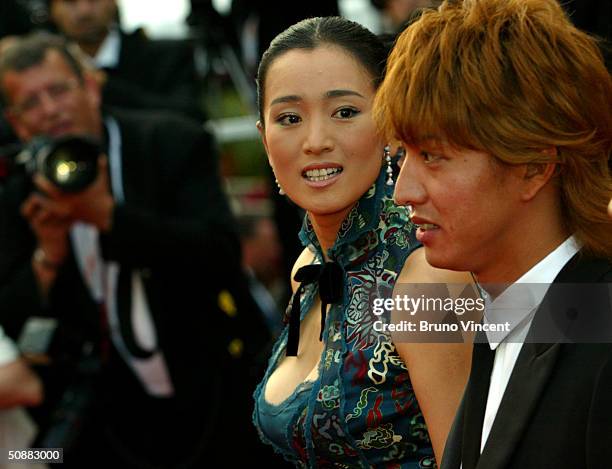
(13, 118)
(535, 177)
(20, 130)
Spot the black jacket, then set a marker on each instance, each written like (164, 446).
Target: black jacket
(154, 74)
(176, 229)
(556, 411)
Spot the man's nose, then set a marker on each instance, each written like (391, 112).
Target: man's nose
(409, 189)
(84, 7)
(48, 105)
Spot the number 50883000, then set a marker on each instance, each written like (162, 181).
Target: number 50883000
(39, 455)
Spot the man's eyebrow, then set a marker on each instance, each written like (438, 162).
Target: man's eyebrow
(433, 141)
(292, 98)
(341, 93)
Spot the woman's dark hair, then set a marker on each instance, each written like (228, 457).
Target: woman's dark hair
(311, 33)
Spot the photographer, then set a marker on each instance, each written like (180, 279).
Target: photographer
(122, 264)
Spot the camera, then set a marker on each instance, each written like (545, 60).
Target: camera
(70, 162)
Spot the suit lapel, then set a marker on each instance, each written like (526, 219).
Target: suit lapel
(451, 459)
(137, 193)
(137, 149)
(126, 52)
(129, 165)
(533, 368)
(475, 401)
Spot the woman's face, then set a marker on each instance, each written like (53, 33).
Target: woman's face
(319, 134)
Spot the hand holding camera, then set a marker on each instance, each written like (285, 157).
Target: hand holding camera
(94, 204)
(71, 184)
(50, 222)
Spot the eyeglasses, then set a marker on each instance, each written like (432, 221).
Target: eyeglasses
(56, 92)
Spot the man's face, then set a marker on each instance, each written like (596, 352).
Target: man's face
(400, 10)
(262, 251)
(467, 206)
(84, 21)
(49, 99)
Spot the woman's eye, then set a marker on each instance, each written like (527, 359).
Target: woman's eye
(346, 113)
(288, 119)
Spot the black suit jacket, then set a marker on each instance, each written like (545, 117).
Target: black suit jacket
(176, 229)
(154, 74)
(556, 411)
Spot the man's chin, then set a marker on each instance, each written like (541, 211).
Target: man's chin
(61, 130)
(89, 36)
(438, 260)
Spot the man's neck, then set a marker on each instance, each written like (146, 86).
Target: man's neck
(536, 231)
(91, 48)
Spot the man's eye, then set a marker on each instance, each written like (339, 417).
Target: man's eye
(58, 90)
(288, 119)
(29, 104)
(428, 157)
(346, 113)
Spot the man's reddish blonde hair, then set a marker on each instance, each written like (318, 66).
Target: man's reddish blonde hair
(516, 79)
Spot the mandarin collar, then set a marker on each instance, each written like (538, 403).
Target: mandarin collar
(356, 238)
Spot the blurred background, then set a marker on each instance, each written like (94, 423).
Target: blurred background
(226, 38)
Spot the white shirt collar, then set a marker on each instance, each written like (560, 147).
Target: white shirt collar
(517, 303)
(108, 53)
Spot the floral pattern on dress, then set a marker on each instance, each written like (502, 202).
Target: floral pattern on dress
(362, 411)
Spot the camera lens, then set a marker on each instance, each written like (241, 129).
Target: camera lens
(71, 163)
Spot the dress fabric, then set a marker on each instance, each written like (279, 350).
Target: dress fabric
(361, 411)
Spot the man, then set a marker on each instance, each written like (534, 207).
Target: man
(504, 108)
(274, 16)
(139, 73)
(261, 260)
(141, 269)
(395, 13)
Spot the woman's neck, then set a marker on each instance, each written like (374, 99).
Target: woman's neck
(326, 227)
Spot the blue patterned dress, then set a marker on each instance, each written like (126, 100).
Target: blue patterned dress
(361, 411)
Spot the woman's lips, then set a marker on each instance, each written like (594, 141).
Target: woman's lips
(321, 175)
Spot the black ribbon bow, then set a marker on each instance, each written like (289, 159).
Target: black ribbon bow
(331, 280)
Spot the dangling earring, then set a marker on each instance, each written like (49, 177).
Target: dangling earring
(280, 189)
(387, 157)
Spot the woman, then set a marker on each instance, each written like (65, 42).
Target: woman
(336, 390)
(505, 111)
